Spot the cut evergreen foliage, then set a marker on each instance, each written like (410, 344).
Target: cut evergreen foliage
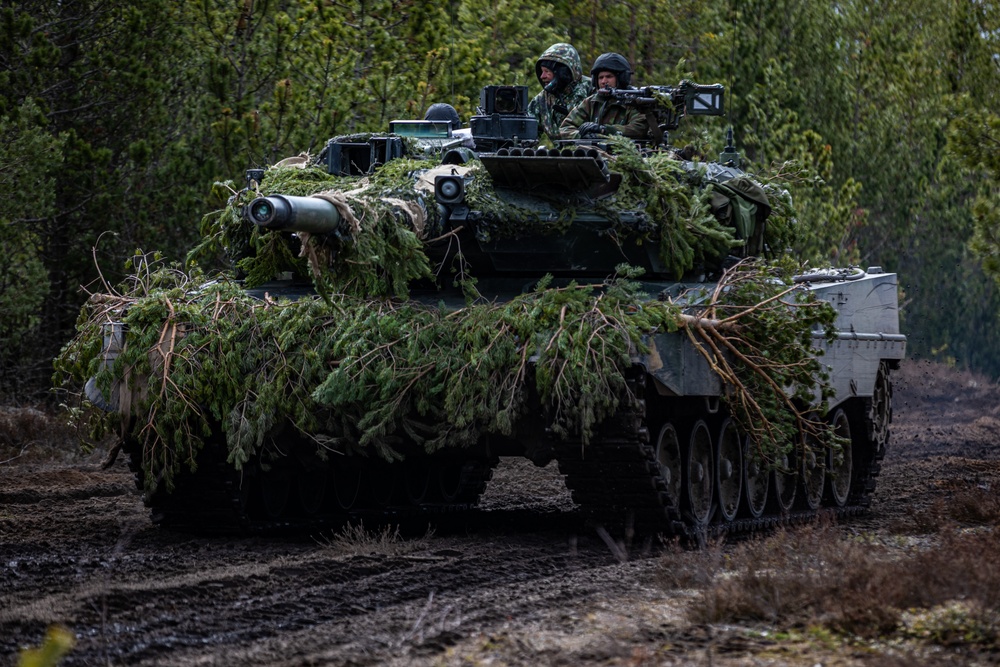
(386, 377)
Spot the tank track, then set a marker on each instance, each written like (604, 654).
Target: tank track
(615, 478)
(617, 481)
(218, 499)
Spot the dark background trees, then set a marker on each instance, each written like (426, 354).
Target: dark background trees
(117, 117)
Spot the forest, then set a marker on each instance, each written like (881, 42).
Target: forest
(123, 123)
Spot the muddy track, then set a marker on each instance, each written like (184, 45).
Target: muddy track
(88, 553)
(522, 580)
(251, 604)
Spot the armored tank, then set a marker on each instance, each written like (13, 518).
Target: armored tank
(403, 312)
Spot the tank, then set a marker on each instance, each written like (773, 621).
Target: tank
(403, 311)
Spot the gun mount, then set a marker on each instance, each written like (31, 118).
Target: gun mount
(664, 106)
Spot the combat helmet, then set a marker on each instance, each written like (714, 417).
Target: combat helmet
(614, 63)
(442, 111)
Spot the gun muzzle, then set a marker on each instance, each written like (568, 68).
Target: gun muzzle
(290, 213)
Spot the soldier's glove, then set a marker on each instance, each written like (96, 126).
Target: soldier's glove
(590, 130)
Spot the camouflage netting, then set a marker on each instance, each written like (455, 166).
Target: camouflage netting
(363, 370)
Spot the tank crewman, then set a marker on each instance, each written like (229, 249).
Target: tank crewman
(442, 111)
(563, 87)
(599, 115)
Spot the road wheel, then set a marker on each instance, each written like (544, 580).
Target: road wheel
(840, 460)
(699, 473)
(729, 470)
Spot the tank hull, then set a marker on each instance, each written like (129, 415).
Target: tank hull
(663, 463)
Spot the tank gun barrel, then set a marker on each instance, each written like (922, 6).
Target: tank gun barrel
(291, 213)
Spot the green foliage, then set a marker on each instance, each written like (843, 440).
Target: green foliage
(688, 232)
(30, 157)
(102, 77)
(444, 378)
(955, 244)
(762, 348)
(973, 137)
(58, 642)
(387, 378)
(828, 217)
(503, 38)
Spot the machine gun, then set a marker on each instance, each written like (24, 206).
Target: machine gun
(664, 106)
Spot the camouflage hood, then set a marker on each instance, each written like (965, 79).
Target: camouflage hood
(561, 53)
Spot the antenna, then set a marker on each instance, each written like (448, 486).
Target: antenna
(729, 156)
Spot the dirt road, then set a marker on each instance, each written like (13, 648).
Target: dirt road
(519, 582)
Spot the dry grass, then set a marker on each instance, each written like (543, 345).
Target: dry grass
(33, 434)
(681, 567)
(972, 505)
(946, 592)
(355, 540)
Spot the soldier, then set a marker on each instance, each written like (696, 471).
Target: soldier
(598, 115)
(563, 87)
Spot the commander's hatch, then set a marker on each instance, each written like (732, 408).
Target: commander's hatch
(542, 168)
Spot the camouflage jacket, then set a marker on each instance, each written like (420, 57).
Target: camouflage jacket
(549, 109)
(618, 118)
